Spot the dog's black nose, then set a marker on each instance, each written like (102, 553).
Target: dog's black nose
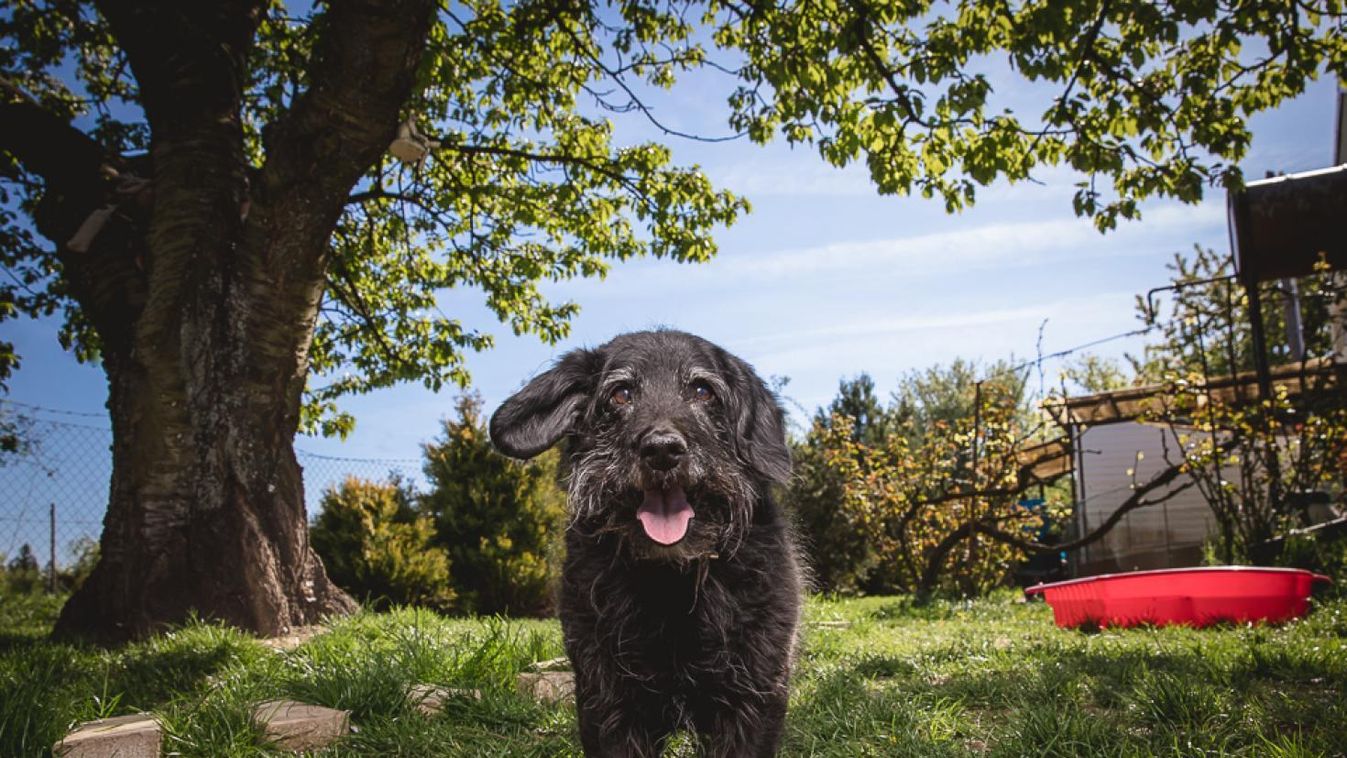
(662, 449)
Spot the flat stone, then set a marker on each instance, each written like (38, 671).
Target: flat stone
(136, 736)
(295, 726)
(547, 686)
(551, 664)
(297, 636)
(430, 698)
(830, 624)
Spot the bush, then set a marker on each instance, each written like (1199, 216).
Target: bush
(375, 546)
(23, 575)
(841, 556)
(86, 557)
(893, 502)
(500, 520)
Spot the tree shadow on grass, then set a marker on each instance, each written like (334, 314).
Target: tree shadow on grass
(47, 687)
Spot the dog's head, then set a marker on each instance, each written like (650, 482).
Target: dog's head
(670, 440)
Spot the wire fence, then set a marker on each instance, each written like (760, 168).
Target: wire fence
(54, 485)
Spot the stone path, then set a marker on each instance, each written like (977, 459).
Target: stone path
(136, 736)
(430, 699)
(292, 725)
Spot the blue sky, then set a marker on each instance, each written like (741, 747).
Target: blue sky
(824, 280)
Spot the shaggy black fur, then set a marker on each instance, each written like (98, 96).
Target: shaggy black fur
(698, 634)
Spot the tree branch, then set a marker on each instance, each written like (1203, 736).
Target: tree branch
(635, 101)
(76, 178)
(361, 75)
(558, 158)
(47, 145)
(187, 57)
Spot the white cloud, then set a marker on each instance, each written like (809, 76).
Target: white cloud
(959, 251)
(794, 178)
(897, 325)
(986, 246)
(886, 348)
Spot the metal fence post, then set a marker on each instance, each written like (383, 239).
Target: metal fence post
(51, 547)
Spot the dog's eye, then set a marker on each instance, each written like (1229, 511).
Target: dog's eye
(701, 392)
(620, 396)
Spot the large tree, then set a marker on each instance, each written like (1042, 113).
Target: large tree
(204, 188)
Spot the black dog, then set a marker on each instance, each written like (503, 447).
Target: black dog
(680, 594)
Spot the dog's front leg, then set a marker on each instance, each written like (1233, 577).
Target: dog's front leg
(620, 721)
(750, 728)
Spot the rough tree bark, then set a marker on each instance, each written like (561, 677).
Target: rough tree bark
(204, 289)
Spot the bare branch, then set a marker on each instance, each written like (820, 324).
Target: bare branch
(635, 101)
(1138, 499)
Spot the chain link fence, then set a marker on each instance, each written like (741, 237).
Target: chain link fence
(54, 481)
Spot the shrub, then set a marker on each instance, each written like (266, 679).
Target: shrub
(841, 557)
(897, 517)
(375, 546)
(86, 557)
(499, 520)
(23, 575)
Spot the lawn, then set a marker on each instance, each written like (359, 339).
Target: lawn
(991, 677)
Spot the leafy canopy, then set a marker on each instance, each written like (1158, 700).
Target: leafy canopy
(525, 181)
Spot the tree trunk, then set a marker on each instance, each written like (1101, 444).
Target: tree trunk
(204, 291)
(205, 517)
(206, 510)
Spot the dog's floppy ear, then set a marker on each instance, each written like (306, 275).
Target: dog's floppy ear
(538, 415)
(760, 427)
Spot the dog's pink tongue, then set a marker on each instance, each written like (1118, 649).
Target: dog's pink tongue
(665, 515)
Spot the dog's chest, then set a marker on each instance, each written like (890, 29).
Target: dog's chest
(683, 624)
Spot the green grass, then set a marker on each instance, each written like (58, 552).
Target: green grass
(992, 677)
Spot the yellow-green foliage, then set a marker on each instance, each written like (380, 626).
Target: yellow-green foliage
(1254, 462)
(894, 499)
(500, 520)
(376, 547)
(879, 511)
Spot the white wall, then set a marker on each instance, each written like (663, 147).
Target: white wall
(1156, 536)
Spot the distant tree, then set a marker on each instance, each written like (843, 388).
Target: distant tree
(85, 550)
(875, 499)
(375, 546)
(871, 422)
(1093, 374)
(840, 554)
(499, 520)
(23, 574)
(1256, 461)
(892, 517)
(938, 505)
(1258, 466)
(25, 560)
(1208, 328)
(939, 394)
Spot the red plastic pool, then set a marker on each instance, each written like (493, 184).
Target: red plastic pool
(1194, 596)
